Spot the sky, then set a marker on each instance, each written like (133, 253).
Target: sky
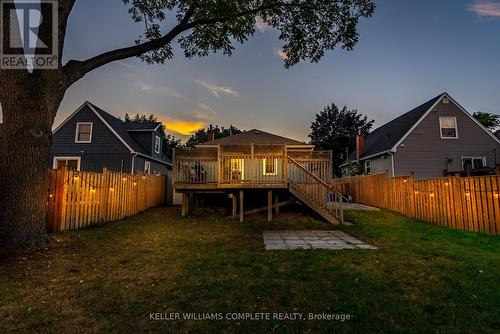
(408, 52)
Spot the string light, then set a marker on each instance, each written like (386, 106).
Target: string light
(404, 181)
(467, 193)
(93, 190)
(111, 189)
(496, 195)
(50, 195)
(446, 183)
(76, 177)
(124, 179)
(135, 183)
(431, 194)
(144, 177)
(416, 192)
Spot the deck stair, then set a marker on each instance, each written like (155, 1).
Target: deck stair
(315, 193)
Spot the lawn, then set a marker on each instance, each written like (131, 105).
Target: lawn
(108, 279)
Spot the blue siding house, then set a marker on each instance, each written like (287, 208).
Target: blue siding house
(91, 139)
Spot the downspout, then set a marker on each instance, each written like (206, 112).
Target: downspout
(133, 163)
(392, 163)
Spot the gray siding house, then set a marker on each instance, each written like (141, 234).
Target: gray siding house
(435, 139)
(91, 139)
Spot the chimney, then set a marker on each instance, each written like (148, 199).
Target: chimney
(211, 133)
(360, 145)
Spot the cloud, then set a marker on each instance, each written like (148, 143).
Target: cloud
(182, 127)
(204, 111)
(279, 52)
(485, 8)
(158, 90)
(217, 90)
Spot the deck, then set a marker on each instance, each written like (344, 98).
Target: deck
(244, 167)
(305, 173)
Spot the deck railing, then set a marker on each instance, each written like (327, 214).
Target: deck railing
(254, 166)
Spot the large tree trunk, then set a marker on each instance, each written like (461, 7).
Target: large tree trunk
(25, 137)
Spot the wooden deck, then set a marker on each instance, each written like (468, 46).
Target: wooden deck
(305, 173)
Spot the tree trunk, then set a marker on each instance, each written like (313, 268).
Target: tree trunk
(25, 138)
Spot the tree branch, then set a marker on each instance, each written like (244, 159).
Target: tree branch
(65, 8)
(74, 70)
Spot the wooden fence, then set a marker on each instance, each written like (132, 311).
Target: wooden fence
(466, 203)
(77, 199)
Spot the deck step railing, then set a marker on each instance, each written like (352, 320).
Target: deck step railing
(315, 192)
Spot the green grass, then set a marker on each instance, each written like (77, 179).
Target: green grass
(423, 279)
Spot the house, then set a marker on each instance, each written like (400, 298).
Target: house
(91, 139)
(261, 164)
(435, 139)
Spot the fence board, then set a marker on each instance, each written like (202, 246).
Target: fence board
(470, 203)
(77, 199)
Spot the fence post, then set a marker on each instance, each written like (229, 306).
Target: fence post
(59, 199)
(103, 205)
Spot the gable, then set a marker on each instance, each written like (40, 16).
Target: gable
(426, 134)
(103, 139)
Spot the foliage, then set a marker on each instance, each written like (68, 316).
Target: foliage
(488, 120)
(422, 278)
(170, 142)
(352, 169)
(201, 135)
(307, 28)
(336, 129)
(143, 118)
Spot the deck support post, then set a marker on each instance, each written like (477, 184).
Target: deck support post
(269, 205)
(185, 204)
(241, 206)
(235, 205)
(277, 201)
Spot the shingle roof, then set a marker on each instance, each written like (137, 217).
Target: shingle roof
(385, 137)
(141, 125)
(497, 133)
(121, 128)
(254, 136)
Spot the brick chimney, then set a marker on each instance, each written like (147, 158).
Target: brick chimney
(360, 145)
(211, 133)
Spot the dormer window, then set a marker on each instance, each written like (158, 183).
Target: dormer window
(448, 127)
(83, 132)
(157, 144)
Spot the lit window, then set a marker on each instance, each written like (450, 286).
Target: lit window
(83, 132)
(270, 166)
(448, 126)
(368, 167)
(157, 144)
(147, 167)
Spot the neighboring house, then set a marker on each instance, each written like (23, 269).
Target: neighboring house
(261, 165)
(91, 139)
(435, 139)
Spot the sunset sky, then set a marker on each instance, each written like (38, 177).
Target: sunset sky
(408, 52)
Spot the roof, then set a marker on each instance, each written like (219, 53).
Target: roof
(384, 138)
(146, 126)
(497, 133)
(120, 129)
(255, 136)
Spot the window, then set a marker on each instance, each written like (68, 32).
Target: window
(448, 127)
(237, 169)
(72, 163)
(469, 163)
(157, 144)
(147, 167)
(368, 167)
(270, 166)
(83, 132)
